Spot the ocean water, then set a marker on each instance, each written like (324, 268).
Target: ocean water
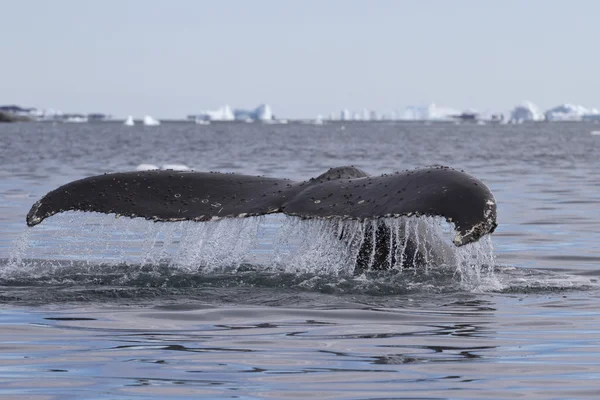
(98, 307)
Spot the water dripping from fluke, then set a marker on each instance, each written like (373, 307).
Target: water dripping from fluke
(91, 248)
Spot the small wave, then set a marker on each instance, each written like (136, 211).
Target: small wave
(528, 281)
(44, 281)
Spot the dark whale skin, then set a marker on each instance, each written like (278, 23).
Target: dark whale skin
(343, 192)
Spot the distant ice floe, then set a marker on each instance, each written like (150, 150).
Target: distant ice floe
(129, 121)
(150, 121)
(261, 113)
(174, 167)
(223, 113)
(564, 112)
(527, 111)
(431, 112)
(48, 114)
(75, 118)
(571, 112)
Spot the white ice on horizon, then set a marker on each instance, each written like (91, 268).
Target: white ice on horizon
(261, 113)
(571, 112)
(223, 113)
(129, 121)
(563, 112)
(527, 111)
(150, 121)
(432, 112)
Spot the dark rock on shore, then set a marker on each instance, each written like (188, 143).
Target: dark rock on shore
(8, 117)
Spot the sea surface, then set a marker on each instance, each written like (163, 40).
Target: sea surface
(98, 307)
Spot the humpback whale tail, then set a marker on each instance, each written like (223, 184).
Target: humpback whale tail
(344, 192)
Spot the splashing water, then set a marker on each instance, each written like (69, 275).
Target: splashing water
(17, 251)
(333, 247)
(275, 244)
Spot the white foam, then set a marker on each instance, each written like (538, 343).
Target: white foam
(17, 253)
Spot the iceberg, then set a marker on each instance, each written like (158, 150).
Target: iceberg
(223, 113)
(149, 121)
(129, 121)
(261, 113)
(527, 111)
(48, 114)
(570, 112)
(428, 113)
(75, 118)
(365, 115)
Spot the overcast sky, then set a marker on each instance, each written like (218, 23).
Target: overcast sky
(302, 57)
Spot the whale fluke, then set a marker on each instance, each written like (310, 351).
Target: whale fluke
(344, 192)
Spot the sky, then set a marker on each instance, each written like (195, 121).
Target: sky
(302, 57)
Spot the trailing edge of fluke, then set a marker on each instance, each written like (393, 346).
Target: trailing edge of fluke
(343, 192)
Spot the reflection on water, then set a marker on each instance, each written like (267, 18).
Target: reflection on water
(477, 344)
